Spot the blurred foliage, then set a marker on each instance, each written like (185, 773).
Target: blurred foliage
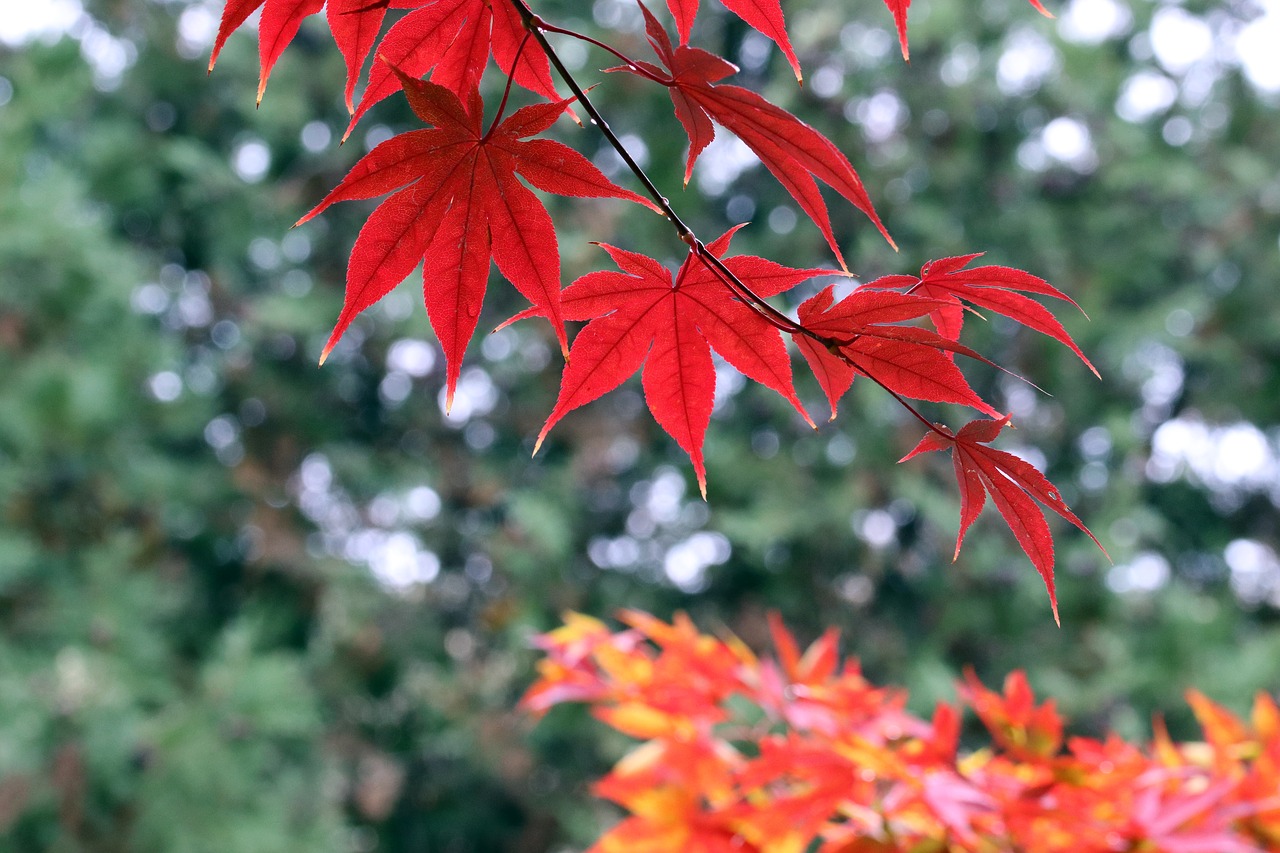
(246, 604)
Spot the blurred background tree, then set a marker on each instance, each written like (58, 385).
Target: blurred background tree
(251, 605)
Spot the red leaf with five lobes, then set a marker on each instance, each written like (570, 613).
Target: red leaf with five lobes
(993, 288)
(464, 206)
(905, 359)
(1012, 483)
(764, 16)
(456, 38)
(642, 316)
(792, 151)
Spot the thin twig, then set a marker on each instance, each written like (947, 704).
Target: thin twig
(536, 26)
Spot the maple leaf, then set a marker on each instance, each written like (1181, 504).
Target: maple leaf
(456, 38)
(786, 806)
(668, 786)
(991, 287)
(1222, 729)
(791, 150)
(764, 16)
(819, 661)
(898, 8)
(1027, 731)
(235, 13)
(463, 206)
(905, 359)
(278, 25)
(873, 778)
(1012, 483)
(644, 316)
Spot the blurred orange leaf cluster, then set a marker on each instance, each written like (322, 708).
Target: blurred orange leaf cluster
(798, 752)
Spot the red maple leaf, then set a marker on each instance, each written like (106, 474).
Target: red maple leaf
(277, 27)
(818, 662)
(463, 205)
(905, 359)
(235, 13)
(992, 287)
(1025, 730)
(1012, 483)
(456, 38)
(764, 16)
(644, 316)
(791, 150)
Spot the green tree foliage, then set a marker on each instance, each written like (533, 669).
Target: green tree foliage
(246, 604)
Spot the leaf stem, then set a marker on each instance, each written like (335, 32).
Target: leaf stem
(632, 65)
(506, 93)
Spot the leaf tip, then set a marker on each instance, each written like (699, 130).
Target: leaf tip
(324, 356)
(537, 445)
